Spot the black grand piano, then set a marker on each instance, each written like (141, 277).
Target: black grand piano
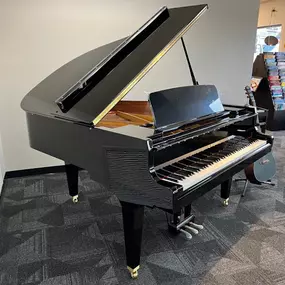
(165, 152)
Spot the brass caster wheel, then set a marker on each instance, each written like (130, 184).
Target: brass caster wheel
(226, 202)
(75, 199)
(134, 272)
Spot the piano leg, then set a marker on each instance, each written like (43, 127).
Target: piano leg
(72, 181)
(225, 191)
(133, 216)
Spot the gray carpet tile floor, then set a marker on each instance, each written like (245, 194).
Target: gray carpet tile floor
(46, 239)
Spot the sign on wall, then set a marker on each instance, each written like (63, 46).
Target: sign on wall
(261, 34)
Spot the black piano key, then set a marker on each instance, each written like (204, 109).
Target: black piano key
(193, 169)
(194, 157)
(166, 177)
(200, 156)
(205, 158)
(177, 165)
(197, 162)
(200, 159)
(180, 166)
(176, 176)
(171, 174)
(189, 166)
(186, 167)
(171, 168)
(167, 173)
(212, 151)
(231, 147)
(213, 155)
(225, 152)
(184, 173)
(182, 170)
(195, 165)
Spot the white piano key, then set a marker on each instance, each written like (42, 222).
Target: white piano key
(221, 164)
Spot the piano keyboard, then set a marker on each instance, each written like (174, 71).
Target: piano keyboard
(200, 164)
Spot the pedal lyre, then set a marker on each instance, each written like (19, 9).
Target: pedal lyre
(186, 226)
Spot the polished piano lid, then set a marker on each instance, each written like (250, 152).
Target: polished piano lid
(122, 71)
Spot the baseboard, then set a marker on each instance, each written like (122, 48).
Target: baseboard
(34, 171)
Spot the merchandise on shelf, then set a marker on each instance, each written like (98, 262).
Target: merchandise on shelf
(275, 65)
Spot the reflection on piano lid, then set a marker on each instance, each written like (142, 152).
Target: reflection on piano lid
(178, 106)
(100, 95)
(107, 64)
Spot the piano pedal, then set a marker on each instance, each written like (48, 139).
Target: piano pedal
(198, 227)
(75, 199)
(185, 226)
(192, 230)
(187, 234)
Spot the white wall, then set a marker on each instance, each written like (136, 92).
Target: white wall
(264, 18)
(38, 36)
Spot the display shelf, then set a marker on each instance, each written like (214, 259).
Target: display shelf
(270, 93)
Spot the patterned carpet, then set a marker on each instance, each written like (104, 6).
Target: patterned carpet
(47, 240)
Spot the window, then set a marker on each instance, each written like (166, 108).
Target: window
(264, 32)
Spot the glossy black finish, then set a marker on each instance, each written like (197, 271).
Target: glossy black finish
(226, 188)
(133, 217)
(98, 73)
(194, 81)
(72, 179)
(123, 159)
(101, 151)
(187, 210)
(224, 120)
(184, 104)
(41, 100)
(89, 149)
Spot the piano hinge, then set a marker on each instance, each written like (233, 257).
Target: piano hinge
(89, 125)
